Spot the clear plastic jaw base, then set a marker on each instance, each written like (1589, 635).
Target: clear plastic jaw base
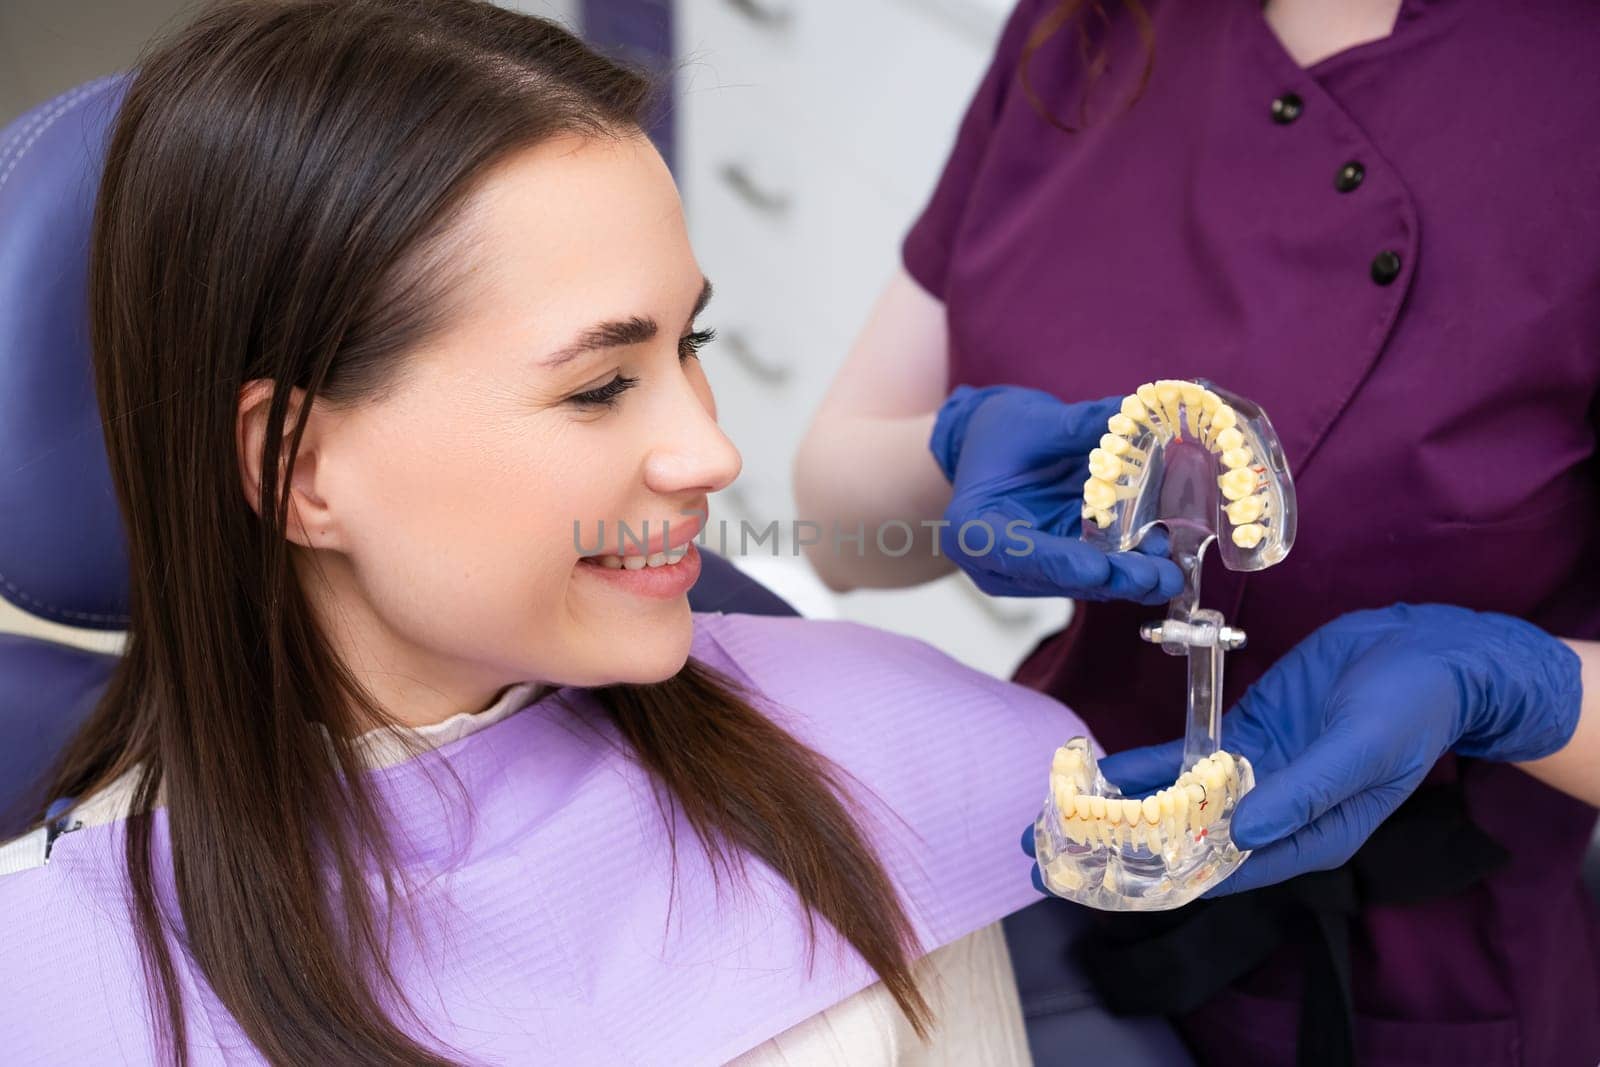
(1135, 855)
(1197, 461)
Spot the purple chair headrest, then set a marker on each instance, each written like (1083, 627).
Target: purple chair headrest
(62, 552)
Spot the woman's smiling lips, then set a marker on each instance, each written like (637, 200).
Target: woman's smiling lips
(661, 582)
(650, 569)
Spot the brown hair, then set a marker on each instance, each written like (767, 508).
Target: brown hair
(276, 203)
(1091, 24)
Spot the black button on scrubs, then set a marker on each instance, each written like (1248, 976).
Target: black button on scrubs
(1385, 267)
(1287, 108)
(1349, 176)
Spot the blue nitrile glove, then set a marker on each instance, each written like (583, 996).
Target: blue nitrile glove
(1345, 727)
(1018, 459)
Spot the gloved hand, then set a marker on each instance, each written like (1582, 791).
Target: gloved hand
(1013, 453)
(1344, 727)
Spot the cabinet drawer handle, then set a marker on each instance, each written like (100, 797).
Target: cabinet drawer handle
(743, 353)
(995, 609)
(770, 15)
(751, 192)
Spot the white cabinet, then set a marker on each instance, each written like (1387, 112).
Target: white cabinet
(810, 133)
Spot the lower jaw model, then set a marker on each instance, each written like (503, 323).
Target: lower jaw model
(1118, 853)
(1199, 462)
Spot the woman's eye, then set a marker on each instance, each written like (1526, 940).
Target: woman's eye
(606, 395)
(691, 344)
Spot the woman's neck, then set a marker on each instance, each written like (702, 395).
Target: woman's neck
(412, 686)
(1313, 30)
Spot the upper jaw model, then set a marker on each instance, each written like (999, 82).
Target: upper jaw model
(1206, 465)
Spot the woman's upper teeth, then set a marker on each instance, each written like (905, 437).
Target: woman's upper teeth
(635, 563)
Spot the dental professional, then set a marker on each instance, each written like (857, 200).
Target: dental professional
(409, 761)
(1378, 220)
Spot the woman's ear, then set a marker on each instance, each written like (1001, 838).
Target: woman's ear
(310, 520)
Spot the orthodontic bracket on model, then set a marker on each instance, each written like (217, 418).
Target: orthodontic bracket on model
(1207, 466)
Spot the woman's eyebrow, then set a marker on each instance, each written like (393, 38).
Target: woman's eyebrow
(701, 302)
(617, 334)
(620, 333)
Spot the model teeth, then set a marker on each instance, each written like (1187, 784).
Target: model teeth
(1249, 535)
(1121, 425)
(639, 563)
(1248, 510)
(1104, 466)
(1161, 823)
(1194, 406)
(1100, 494)
(1168, 397)
(1224, 420)
(1171, 409)
(1136, 409)
(1238, 483)
(1119, 446)
(1236, 457)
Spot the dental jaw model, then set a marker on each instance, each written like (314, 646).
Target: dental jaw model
(1206, 465)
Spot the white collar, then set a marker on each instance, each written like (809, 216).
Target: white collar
(376, 749)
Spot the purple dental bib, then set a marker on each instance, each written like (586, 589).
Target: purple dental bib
(542, 931)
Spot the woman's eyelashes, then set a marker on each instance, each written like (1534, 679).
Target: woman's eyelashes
(691, 344)
(606, 396)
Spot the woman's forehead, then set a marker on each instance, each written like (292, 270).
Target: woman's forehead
(577, 228)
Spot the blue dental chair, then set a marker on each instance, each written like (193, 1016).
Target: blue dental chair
(62, 554)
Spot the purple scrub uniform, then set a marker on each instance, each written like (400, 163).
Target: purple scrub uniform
(1396, 252)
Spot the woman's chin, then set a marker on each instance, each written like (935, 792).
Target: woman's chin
(643, 651)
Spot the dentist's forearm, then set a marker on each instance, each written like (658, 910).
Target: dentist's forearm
(865, 461)
(1575, 769)
(872, 473)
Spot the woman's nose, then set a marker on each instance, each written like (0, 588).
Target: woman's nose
(693, 453)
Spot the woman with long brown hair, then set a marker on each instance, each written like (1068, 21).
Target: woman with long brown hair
(417, 753)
